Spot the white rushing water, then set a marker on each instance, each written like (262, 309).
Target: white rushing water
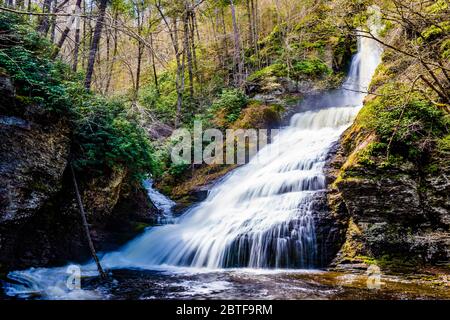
(260, 216)
(161, 202)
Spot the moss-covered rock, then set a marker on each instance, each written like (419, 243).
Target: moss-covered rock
(388, 175)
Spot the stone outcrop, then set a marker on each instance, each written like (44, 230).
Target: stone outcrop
(383, 214)
(381, 206)
(39, 220)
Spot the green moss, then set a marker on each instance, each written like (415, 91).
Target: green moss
(37, 185)
(445, 49)
(352, 248)
(400, 264)
(443, 145)
(432, 168)
(310, 68)
(388, 25)
(434, 31)
(139, 227)
(382, 74)
(291, 100)
(438, 6)
(230, 101)
(367, 260)
(276, 69)
(407, 123)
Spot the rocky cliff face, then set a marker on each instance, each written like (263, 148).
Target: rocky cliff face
(33, 157)
(391, 213)
(39, 219)
(388, 197)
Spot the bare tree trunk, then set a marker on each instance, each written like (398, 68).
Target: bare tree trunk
(43, 24)
(152, 56)
(187, 50)
(77, 36)
(250, 23)
(95, 44)
(140, 21)
(254, 4)
(194, 31)
(86, 226)
(67, 29)
(29, 9)
(219, 42)
(179, 82)
(180, 75)
(114, 54)
(53, 22)
(63, 37)
(237, 58)
(224, 31)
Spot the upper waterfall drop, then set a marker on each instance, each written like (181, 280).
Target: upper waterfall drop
(260, 215)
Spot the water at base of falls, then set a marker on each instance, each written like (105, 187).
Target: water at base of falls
(260, 216)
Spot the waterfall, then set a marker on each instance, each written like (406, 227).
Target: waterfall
(161, 202)
(259, 216)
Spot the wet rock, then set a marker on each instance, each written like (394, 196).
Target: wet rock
(32, 161)
(39, 219)
(385, 212)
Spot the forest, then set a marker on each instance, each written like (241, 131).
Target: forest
(93, 90)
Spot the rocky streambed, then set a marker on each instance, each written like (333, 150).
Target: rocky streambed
(253, 284)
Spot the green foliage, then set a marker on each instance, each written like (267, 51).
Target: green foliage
(178, 169)
(443, 145)
(25, 57)
(161, 101)
(365, 155)
(310, 68)
(276, 69)
(413, 125)
(445, 49)
(231, 101)
(438, 6)
(272, 44)
(104, 135)
(435, 31)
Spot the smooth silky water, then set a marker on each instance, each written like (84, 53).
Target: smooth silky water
(253, 236)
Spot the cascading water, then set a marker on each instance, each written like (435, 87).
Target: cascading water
(161, 202)
(260, 216)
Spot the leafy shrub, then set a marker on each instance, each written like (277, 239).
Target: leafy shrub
(161, 103)
(276, 69)
(310, 68)
(231, 101)
(25, 57)
(415, 125)
(178, 169)
(104, 136)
